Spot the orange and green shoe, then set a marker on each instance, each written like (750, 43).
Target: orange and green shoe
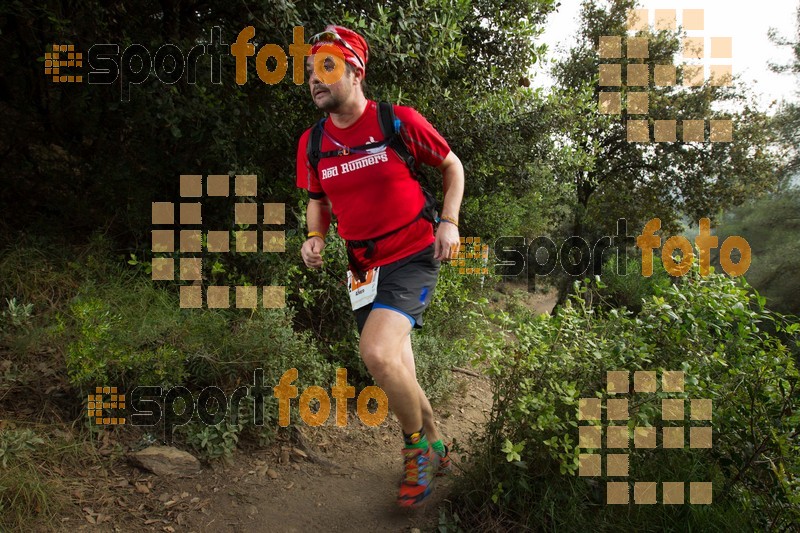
(445, 465)
(420, 471)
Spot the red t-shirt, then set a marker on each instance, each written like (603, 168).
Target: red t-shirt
(374, 194)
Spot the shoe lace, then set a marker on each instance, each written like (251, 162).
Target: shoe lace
(415, 463)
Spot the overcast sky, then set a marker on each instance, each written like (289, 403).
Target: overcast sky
(745, 21)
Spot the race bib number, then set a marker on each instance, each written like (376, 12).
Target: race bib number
(363, 292)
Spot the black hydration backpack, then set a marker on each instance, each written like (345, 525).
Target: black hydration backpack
(390, 128)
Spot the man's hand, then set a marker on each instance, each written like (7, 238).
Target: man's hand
(311, 251)
(447, 243)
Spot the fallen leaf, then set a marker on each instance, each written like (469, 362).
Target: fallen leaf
(301, 453)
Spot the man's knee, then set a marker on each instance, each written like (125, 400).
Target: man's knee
(378, 357)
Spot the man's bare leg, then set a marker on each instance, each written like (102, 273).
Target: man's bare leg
(381, 348)
(428, 422)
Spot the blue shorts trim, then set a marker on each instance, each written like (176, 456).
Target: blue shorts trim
(378, 305)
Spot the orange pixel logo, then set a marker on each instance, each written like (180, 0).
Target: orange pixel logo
(191, 241)
(96, 406)
(639, 73)
(618, 438)
(465, 255)
(53, 63)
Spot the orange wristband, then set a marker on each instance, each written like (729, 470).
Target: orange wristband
(451, 220)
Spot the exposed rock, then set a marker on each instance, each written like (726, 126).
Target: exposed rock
(166, 461)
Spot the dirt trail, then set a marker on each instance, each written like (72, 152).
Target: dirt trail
(354, 489)
(336, 479)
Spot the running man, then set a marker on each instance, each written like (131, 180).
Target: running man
(356, 166)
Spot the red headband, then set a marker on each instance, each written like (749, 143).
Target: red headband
(353, 46)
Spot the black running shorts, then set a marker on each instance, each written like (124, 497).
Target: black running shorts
(405, 286)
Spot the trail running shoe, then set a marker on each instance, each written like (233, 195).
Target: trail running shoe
(445, 466)
(420, 470)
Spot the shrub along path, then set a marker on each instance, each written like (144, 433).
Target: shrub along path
(328, 478)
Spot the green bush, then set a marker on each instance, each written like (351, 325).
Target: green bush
(713, 329)
(102, 354)
(220, 440)
(440, 345)
(631, 289)
(128, 331)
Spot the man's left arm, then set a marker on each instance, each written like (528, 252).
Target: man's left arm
(447, 240)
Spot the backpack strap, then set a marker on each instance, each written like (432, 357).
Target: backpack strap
(314, 146)
(390, 128)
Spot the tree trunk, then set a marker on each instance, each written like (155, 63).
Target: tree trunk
(584, 190)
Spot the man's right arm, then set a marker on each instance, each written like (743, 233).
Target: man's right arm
(318, 215)
(318, 210)
(318, 218)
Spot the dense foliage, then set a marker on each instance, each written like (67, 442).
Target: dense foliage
(715, 330)
(81, 165)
